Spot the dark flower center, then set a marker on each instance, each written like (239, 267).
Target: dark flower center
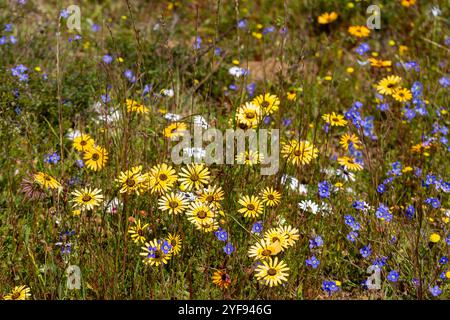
(265, 104)
(173, 204)
(86, 198)
(272, 272)
(201, 214)
(95, 156)
(130, 182)
(251, 206)
(162, 177)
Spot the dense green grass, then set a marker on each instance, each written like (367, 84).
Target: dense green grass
(155, 41)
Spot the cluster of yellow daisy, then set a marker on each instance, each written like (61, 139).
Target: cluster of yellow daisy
(253, 206)
(250, 115)
(299, 152)
(94, 156)
(350, 163)
(390, 86)
(271, 271)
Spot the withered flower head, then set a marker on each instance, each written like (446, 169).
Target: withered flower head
(32, 190)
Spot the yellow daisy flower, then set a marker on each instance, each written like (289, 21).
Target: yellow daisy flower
(251, 206)
(173, 203)
(46, 181)
(87, 198)
(18, 293)
(271, 272)
(95, 158)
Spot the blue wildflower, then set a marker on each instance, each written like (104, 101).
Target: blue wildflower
(313, 262)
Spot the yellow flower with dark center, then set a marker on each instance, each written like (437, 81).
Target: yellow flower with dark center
(251, 206)
(268, 103)
(154, 254)
(349, 163)
(95, 158)
(263, 249)
(131, 180)
(173, 203)
(347, 139)
(359, 31)
(388, 85)
(87, 198)
(291, 234)
(274, 235)
(270, 197)
(291, 95)
(161, 178)
(176, 242)
(335, 120)
(138, 232)
(194, 176)
(299, 152)
(18, 293)
(271, 272)
(408, 3)
(134, 106)
(249, 158)
(402, 95)
(212, 196)
(327, 17)
(175, 130)
(249, 114)
(83, 142)
(221, 279)
(200, 213)
(46, 181)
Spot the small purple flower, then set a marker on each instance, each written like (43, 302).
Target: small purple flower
(166, 247)
(383, 213)
(107, 59)
(228, 249)
(443, 260)
(313, 262)
(221, 234)
(410, 211)
(64, 13)
(324, 189)
(393, 276)
(257, 227)
(197, 43)
(365, 251)
(79, 163)
(352, 236)
(444, 81)
(434, 202)
(8, 27)
(95, 27)
(242, 24)
(267, 30)
(435, 291)
(316, 242)
(329, 286)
